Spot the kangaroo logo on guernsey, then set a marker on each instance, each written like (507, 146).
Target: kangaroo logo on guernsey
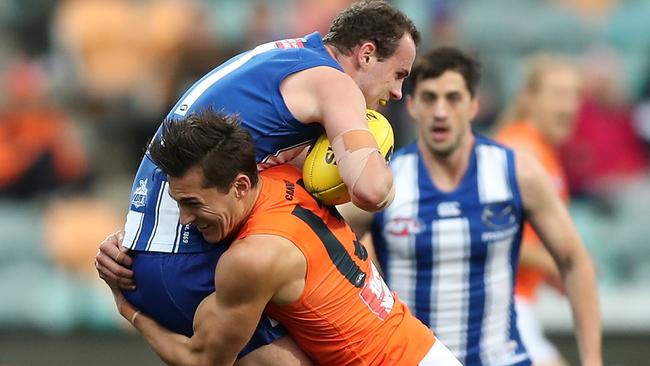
(140, 194)
(498, 216)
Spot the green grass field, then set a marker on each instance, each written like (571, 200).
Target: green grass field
(119, 349)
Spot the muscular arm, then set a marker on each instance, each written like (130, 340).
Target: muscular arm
(552, 222)
(533, 255)
(330, 97)
(250, 274)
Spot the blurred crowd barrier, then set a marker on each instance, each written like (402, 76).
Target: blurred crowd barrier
(85, 83)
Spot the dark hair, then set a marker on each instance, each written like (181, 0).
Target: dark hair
(435, 62)
(370, 21)
(212, 140)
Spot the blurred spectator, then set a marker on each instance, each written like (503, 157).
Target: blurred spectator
(126, 61)
(28, 21)
(443, 29)
(126, 48)
(538, 122)
(40, 149)
(642, 111)
(260, 26)
(72, 228)
(605, 150)
(315, 15)
(593, 11)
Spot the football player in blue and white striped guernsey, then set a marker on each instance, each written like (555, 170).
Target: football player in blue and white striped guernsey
(449, 243)
(286, 94)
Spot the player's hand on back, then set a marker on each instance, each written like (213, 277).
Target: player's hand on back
(113, 263)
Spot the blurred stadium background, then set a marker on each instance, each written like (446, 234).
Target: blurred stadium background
(86, 82)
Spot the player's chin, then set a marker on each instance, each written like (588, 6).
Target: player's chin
(442, 149)
(375, 104)
(212, 236)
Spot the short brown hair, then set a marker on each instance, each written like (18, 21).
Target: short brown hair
(373, 21)
(437, 61)
(212, 140)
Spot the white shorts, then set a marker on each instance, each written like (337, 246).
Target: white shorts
(539, 348)
(439, 355)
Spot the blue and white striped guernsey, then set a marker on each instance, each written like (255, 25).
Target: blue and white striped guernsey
(249, 85)
(452, 256)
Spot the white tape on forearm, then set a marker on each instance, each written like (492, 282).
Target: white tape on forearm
(351, 163)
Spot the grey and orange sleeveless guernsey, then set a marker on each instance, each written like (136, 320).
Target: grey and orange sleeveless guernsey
(170, 286)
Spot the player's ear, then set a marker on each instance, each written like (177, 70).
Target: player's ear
(242, 185)
(366, 53)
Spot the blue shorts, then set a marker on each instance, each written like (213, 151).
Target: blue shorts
(171, 286)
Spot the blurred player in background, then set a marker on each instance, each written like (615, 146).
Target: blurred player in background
(449, 243)
(288, 255)
(539, 121)
(286, 92)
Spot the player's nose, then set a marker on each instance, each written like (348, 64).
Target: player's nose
(440, 111)
(396, 92)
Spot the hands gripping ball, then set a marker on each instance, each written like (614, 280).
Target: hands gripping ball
(320, 173)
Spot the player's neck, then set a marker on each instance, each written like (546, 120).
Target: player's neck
(446, 171)
(252, 197)
(342, 59)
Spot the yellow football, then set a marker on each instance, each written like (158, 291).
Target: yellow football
(320, 173)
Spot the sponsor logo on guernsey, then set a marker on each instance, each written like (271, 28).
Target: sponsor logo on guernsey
(289, 191)
(291, 43)
(449, 209)
(404, 226)
(377, 295)
(490, 236)
(140, 194)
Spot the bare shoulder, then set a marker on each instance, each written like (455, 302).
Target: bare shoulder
(318, 80)
(309, 93)
(252, 255)
(331, 83)
(534, 182)
(527, 166)
(324, 74)
(257, 261)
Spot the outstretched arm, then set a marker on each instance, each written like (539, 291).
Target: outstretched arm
(246, 279)
(172, 348)
(552, 222)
